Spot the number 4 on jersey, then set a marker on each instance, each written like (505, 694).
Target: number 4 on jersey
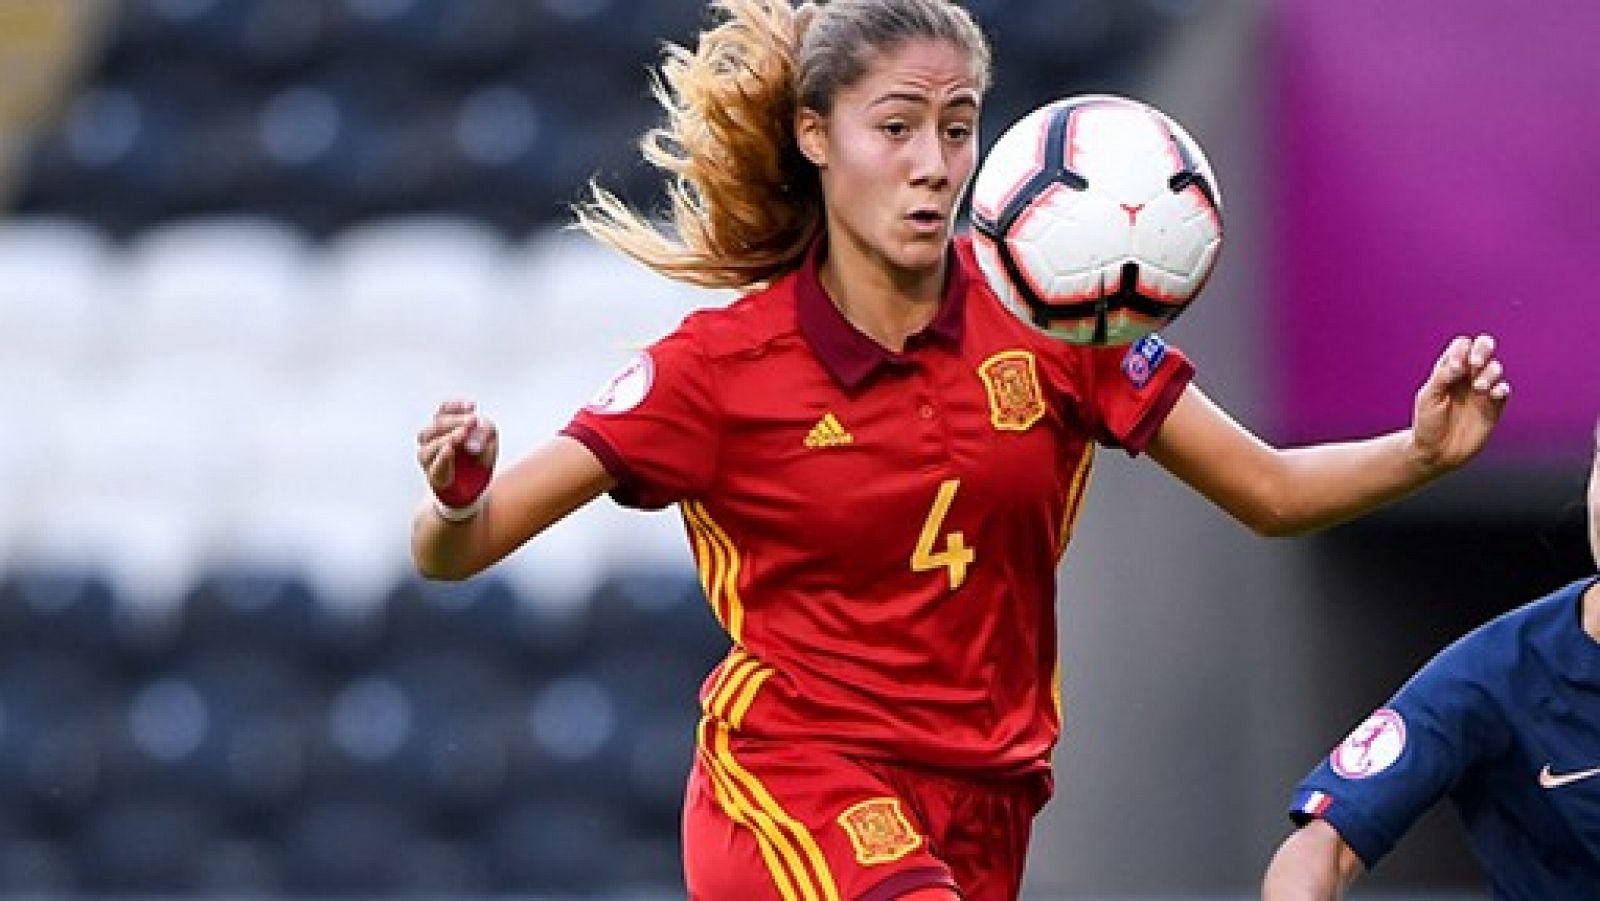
(956, 556)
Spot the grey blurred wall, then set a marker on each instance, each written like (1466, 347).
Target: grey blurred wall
(1167, 605)
(1206, 669)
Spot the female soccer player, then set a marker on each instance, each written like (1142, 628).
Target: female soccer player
(878, 465)
(1504, 723)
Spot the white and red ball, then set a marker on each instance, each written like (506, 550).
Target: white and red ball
(1097, 219)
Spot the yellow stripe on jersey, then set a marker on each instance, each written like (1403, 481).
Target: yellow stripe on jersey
(815, 883)
(739, 672)
(731, 580)
(1055, 690)
(1069, 521)
(722, 579)
(708, 560)
(1075, 492)
(736, 687)
(735, 655)
(747, 696)
(704, 562)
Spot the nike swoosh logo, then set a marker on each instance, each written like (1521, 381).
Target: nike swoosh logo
(1548, 779)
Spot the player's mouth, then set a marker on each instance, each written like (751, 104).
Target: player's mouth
(926, 220)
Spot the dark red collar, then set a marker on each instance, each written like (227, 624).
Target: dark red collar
(850, 356)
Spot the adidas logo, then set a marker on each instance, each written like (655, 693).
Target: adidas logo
(828, 432)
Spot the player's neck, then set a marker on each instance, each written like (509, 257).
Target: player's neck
(1591, 611)
(884, 304)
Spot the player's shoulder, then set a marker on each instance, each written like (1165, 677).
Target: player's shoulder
(1500, 649)
(1547, 631)
(1536, 623)
(748, 323)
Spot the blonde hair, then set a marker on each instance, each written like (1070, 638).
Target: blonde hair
(743, 202)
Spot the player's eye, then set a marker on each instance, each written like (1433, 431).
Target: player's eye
(958, 132)
(896, 128)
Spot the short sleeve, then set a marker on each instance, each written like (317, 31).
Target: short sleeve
(654, 425)
(1128, 391)
(1398, 763)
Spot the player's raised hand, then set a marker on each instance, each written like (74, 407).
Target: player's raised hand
(457, 451)
(1459, 404)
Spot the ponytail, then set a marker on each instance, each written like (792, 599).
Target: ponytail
(744, 204)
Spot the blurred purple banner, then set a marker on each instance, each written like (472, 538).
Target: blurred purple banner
(1436, 170)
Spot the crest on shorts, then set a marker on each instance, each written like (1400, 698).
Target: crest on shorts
(879, 830)
(1015, 401)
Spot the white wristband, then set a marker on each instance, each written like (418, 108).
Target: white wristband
(459, 514)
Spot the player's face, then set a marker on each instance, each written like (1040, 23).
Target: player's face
(1594, 499)
(896, 152)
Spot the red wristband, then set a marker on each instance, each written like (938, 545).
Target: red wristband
(471, 478)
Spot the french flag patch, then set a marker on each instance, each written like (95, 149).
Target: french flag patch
(1143, 359)
(1312, 803)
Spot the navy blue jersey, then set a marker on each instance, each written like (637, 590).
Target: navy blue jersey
(1506, 723)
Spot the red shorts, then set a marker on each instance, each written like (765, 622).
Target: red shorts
(770, 822)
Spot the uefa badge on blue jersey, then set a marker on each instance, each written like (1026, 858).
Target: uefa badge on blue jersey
(1372, 747)
(1143, 359)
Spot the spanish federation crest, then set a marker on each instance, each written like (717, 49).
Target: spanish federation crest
(879, 830)
(1015, 401)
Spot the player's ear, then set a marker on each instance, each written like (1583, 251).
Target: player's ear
(811, 133)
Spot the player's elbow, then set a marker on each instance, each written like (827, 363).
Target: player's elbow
(437, 565)
(434, 571)
(1260, 497)
(1269, 518)
(1275, 524)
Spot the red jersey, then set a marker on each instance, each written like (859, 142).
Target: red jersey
(879, 532)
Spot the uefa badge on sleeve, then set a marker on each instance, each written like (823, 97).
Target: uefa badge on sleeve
(625, 389)
(1372, 747)
(1143, 359)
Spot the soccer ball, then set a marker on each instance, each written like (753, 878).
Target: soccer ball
(1097, 219)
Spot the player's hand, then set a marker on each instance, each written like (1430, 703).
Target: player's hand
(457, 452)
(1459, 404)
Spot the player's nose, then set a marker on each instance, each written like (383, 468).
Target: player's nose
(929, 165)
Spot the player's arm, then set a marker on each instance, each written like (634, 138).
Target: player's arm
(1313, 864)
(1292, 491)
(456, 539)
(1360, 800)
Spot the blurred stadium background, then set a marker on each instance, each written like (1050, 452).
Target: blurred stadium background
(250, 243)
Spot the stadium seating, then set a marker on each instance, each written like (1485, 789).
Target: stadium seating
(209, 636)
